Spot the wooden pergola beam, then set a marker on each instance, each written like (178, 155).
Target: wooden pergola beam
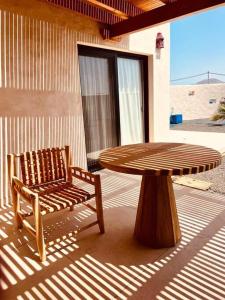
(163, 14)
(121, 8)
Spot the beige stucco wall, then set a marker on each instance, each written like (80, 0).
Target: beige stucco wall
(40, 101)
(159, 78)
(196, 106)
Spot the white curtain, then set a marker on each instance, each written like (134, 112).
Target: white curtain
(130, 100)
(98, 105)
(94, 75)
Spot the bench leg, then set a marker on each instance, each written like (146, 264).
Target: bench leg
(39, 232)
(100, 214)
(16, 208)
(99, 208)
(72, 208)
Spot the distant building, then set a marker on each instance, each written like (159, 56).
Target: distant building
(210, 81)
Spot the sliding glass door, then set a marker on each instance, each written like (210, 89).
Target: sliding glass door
(114, 100)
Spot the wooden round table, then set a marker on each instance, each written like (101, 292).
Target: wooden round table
(157, 222)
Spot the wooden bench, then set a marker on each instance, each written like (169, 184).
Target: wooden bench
(47, 186)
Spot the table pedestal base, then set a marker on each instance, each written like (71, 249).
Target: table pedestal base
(157, 222)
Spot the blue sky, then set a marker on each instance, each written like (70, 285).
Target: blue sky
(198, 45)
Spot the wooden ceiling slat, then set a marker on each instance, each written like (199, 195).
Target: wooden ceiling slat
(148, 4)
(124, 7)
(86, 9)
(114, 11)
(161, 15)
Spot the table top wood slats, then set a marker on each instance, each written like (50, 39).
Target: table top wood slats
(160, 159)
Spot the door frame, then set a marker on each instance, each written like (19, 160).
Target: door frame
(113, 55)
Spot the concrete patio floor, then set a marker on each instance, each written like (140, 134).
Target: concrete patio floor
(114, 265)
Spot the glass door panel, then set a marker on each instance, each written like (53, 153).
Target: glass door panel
(131, 99)
(98, 101)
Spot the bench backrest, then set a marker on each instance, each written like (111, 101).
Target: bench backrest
(43, 166)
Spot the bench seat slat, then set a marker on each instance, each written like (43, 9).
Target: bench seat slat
(54, 197)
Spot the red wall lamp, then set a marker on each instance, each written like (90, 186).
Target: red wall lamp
(159, 41)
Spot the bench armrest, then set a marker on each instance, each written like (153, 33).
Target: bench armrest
(84, 175)
(22, 190)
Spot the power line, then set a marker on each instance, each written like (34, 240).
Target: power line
(219, 74)
(190, 77)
